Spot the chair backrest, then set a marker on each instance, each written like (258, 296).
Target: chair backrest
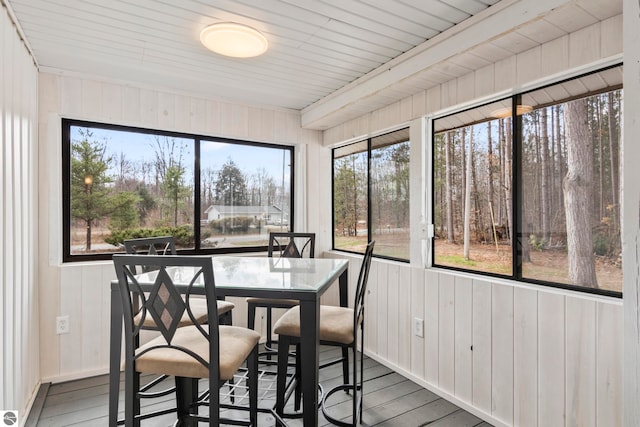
(292, 245)
(361, 288)
(171, 278)
(165, 245)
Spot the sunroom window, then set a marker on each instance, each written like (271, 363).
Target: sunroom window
(529, 187)
(371, 195)
(213, 195)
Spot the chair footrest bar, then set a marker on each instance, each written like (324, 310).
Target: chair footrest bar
(347, 388)
(150, 415)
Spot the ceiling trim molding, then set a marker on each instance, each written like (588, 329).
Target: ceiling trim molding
(490, 24)
(18, 27)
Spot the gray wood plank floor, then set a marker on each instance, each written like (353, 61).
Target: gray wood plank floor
(390, 400)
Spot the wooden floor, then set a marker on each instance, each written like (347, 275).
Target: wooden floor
(390, 400)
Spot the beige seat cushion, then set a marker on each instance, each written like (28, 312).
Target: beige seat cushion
(273, 302)
(199, 309)
(235, 345)
(336, 324)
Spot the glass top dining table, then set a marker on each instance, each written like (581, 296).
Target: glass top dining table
(303, 279)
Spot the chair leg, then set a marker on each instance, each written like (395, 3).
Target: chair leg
(345, 365)
(281, 380)
(354, 386)
(186, 395)
(357, 387)
(226, 318)
(132, 400)
(251, 316)
(269, 343)
(252, 362)
(298, 377)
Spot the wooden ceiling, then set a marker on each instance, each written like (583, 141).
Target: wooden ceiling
(331, 59)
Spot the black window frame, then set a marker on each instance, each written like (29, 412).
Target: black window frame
(67, 123)
(370, 235)
(517, 190)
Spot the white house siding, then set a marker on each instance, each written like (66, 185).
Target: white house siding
(19, 371)
(541, 357)
(81, 290)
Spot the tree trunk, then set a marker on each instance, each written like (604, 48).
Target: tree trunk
(449, 188)
(477, 205)
(502, 158)
(578, 195)
(546, 212)
(463, 175)
(601, 211)
(508, 177)
(467, 198)
(490, 169)
(88, 237)
(613, 159)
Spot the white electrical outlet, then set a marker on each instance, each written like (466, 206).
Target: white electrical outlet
(62, 325)
(418, 327)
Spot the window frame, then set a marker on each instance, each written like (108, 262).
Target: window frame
(370, 234)
(67, 123)
(517, 186)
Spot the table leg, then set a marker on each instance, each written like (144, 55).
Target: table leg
(343, 283)
(115, 338)
(309, 347)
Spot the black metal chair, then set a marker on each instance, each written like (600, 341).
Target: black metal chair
(199, 350)
(163, 245)
(166, 245)
(285, 245)
(338, 327)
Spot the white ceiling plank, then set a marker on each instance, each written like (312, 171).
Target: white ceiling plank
(468, 6)
(416, 12)
(335, 58)
(571, 18)
(514, 42)
(599, 9)
(486, 25)
(356, 20)
(544, 31)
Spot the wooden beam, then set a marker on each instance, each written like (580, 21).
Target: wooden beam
(491, 23)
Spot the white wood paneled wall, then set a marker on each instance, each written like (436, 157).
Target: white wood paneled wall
(511, 354)
(81, 290)
(631, 214)
(19, 372)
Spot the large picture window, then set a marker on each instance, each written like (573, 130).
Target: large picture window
(529, 187)
(371, 195)
(213, 195)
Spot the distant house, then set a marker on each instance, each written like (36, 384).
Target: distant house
(270, 214)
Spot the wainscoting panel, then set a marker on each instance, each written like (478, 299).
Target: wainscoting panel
(512, 354)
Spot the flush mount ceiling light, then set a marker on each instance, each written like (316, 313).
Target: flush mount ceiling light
(503, 113)
(235, 40)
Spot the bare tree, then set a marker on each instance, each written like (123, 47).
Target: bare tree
(449, 187)
(467, 198)
(578, 195)
(544, 178)
(507, 175)
(613, 156)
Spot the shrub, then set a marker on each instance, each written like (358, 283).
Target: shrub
(183, 235)
(231, 225)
